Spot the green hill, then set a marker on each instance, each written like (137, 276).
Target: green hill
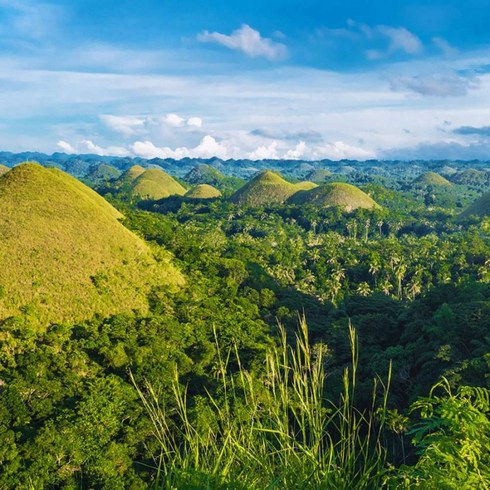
(204, 174)
(472, 177)
(155, 184)
(340, 194)
(481, 207)
(64, 254)
(98, 174)
(319, 175)
(203, 191)
(267, 188)
(3, 169)
(431, 178)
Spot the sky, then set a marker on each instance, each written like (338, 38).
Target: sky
(308, 79)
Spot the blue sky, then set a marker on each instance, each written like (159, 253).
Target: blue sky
(272, 79)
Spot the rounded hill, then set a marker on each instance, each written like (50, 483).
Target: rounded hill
(65, 256)
(204, 174)
(3, 169)
(481, 207)
(267, 188)
(346, 196)
(319, 175)
(203, 191)
(155, 184)
(431, 178)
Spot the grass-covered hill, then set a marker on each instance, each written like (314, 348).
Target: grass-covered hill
(3, 169)
(267, 188)
(481, 207)
(151, 183)
(319, 175)
(346, 196)
(65, 256)
(472, 177)
(203, 191)
(431, 178)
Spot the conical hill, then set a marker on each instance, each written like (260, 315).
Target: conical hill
(155, 184)
(267, 188)
(203, 191)
(65, 256)
(346, 196)
(481, 207)
(431, 178)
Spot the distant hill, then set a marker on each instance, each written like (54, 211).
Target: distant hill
(203, 191)
(319, 175)
(267, 188)
(431, 178)
(98, 174)
(481, 207)
(65, 256)
(472, 177)
(204, 174)
(3, 169)
(340, 194)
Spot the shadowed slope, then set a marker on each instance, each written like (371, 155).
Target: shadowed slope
(340, 194)
(481, 207)
(64, 254)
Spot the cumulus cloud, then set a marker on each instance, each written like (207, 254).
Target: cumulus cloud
(439, 86)
(91, 147)
(248, 41)
(340, 150)
(174, 120)
(126, 125)
(264, 152)
(473, 131)
(297, 152)
(194, 122)
(65, 147)
(207, 148)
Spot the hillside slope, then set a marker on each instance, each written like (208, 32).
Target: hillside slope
(346, 196)
(267, 188)
(155, 184)
(64, 254)
(203, 191)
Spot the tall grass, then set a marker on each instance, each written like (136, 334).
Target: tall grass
(272, 431)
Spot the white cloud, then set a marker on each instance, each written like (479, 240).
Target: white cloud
(439, 86)
(340, 150)
(174, 120)
(444, 46)
(264, 152)
(297, 152)
(400, 39)
(91, 147)
(126, 125)
(247, 40)
(65, 147)
(195, 122)
(207, 148)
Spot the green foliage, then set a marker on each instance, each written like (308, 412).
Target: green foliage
(452, 439)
